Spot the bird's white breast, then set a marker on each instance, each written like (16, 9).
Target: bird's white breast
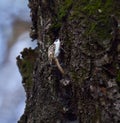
(57, 48)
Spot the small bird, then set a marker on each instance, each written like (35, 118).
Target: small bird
(53, 53)
(54, 50)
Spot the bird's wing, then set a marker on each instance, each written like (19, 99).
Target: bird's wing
(51, 50)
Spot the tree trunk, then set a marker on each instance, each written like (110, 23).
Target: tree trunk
(88, 92)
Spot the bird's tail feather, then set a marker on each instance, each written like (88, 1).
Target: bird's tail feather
(59, 66)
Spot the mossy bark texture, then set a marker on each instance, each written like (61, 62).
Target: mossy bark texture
(89, 31)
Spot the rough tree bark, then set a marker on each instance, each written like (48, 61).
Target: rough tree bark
(90, 56)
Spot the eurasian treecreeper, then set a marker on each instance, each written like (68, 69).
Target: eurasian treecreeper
(53, 53)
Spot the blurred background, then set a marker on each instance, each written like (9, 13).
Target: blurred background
(14, 37)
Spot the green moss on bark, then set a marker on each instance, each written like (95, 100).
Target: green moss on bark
(26, 65)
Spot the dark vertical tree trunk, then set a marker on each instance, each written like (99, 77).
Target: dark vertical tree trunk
(90, 56)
